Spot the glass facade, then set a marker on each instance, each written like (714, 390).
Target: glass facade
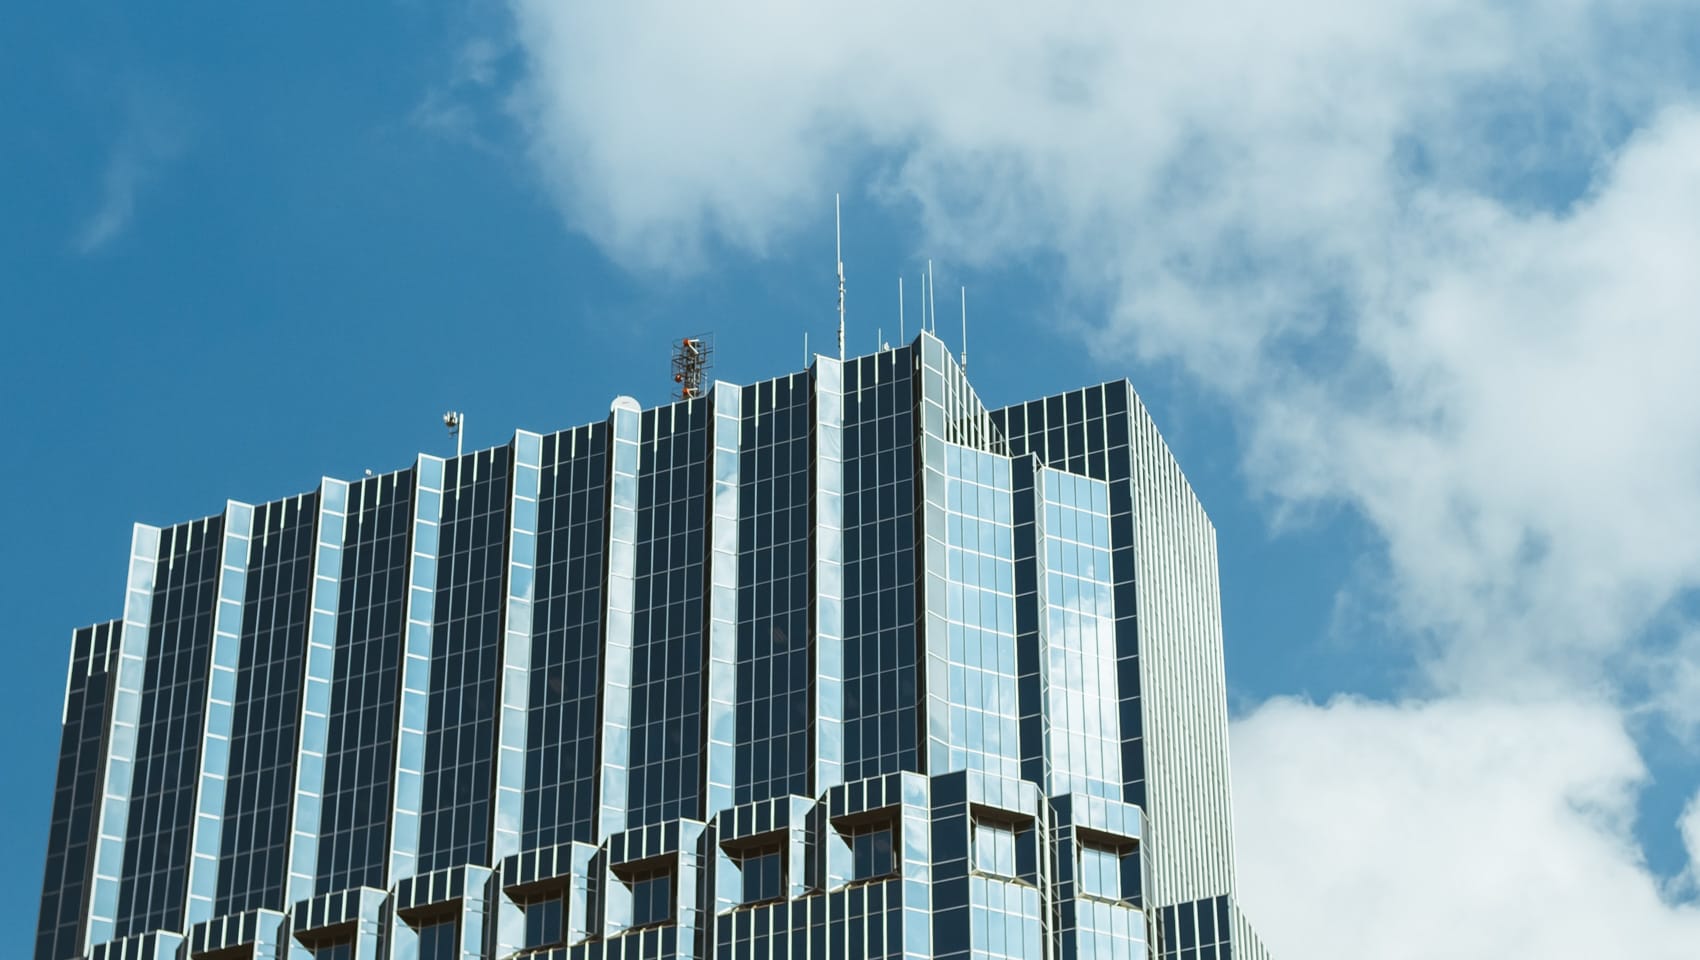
(774, 534)
(153, 891)
(1165, 607)
(566, 661)
(466, 644)
(353, 831)
(980, 614)
(1079, 635)
(843, 664)
(881, 708)
(254, 848)
(666, 762)
(1210, 929)
(88, 710)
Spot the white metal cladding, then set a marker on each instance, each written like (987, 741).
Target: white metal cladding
(1184, 693)
(218, 710)
(1247, 944)
(515, 677)
(828, 534)
(721, 702)
(112, 820)
(415, 666)
(316, 678)
(621, 553)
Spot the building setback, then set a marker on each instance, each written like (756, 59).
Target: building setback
(838, 665)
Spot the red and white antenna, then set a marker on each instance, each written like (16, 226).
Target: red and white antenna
(692, 356)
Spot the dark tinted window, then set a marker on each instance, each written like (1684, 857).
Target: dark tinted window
(543, 922)
(437, 941)
(872, 853)
(763, 875)
(652, 899)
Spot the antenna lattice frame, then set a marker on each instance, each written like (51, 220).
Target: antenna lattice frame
(692, 358)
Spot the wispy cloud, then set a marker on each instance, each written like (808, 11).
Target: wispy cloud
(457, 109)
(152, 137)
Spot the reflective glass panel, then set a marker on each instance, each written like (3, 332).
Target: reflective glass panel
(994, 848)
(1100, 872)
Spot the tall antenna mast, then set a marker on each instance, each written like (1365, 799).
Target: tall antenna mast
(932, 304)
(900, 337)
(838, 236)
(964, 329)
(923, 303)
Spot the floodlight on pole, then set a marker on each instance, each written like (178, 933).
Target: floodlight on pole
(456, 422)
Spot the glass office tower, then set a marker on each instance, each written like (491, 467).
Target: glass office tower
(838, 665)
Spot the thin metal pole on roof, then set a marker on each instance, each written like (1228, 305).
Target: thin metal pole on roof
(932, 303)
(456, 422)
(838, 235)
(964, 329)
(900, 337)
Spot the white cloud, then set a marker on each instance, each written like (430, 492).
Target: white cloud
(1327, 212)
(152, 136)
(1690, 827)
(1439, 256)
(1530, 447)
(1463, 829)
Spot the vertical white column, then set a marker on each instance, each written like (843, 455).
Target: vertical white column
(614, 745)
(316, 677)
(219, 710)
(940, 415)
(828, 687)
(721, 748)
(416, 667)
(114, 813)
(508, 810)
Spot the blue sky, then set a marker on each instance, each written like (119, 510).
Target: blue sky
(1411, 292)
